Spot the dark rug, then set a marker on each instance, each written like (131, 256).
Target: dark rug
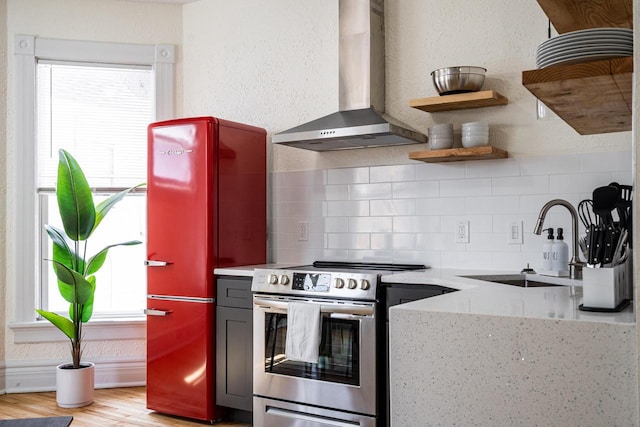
(38, 422)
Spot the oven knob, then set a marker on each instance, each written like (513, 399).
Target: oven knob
(352, 284)
(364, 284)
(339, 283)
(284, 279)
(273, 279)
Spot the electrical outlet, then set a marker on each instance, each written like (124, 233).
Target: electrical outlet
(303, 231)
(514, 233)
(462, 232)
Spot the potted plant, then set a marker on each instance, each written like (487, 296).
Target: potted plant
(75, 273)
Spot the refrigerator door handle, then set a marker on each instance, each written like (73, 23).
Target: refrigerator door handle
(153, 263)
(156, 312)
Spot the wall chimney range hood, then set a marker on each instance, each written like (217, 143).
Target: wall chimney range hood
(360, 121)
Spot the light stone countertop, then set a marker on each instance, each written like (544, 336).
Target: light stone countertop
(506, 356)
(487, 298)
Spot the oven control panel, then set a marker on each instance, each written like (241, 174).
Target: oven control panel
(353, 285)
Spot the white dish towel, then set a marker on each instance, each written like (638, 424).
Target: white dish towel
(303, 332)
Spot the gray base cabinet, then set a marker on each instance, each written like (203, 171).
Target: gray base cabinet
(234, 343)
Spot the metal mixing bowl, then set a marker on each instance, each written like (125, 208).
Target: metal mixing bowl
(450, 80)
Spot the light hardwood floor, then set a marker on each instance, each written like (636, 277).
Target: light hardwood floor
(111, 407)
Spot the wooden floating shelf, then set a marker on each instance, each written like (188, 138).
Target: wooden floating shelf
(459, 101)
(459, 154)
(592, 97)
(574, 15)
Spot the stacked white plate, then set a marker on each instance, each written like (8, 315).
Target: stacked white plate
(585, 45)
(475, 134)
(441, 136)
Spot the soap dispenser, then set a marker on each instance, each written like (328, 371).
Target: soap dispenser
(560, 254)
(546, 250)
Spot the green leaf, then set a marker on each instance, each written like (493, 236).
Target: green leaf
(105, 206)
(87, 308)
(62, 251)
(73, 287)
(96, 261)
(62, 323)
(75, 201)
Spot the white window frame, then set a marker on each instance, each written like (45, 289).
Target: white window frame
(28, 49)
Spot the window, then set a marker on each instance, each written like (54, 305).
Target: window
(94, 99)
(99, 113)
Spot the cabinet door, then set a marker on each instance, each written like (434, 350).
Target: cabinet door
(234, 354)
(234, 292)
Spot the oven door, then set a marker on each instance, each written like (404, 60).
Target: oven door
(344, 377)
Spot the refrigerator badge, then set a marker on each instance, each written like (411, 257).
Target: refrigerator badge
(175, 152)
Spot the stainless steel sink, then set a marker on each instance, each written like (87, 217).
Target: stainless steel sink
(511, 279)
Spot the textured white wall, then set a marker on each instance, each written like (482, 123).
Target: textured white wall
(3, 168)
(94, 20)
(274, 64)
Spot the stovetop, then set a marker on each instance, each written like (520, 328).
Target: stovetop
(327, 279)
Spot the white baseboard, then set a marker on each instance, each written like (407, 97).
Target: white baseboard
(3, 389)
(23, 376)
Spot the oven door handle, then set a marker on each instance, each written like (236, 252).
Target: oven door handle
(361, 310)
(303, 417)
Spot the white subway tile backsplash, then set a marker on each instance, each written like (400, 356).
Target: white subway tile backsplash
(338, 224)
(416, 224)
(393, 173)
(408, 213)
(414, 190)
(493, 205)
(435, 242)
(299, 179)
(404, 242)
(348, 176)
(477, 223)
(336, 192)
(530, 204)
(560, 164)
(430, 259)
(393, 207)
(382, 241)
(348, 241)
(493, 168)
(579, 182)
(533, 184)
(470, 260)
(335, 255)
(443, 206)
(371, 255)
(613, 161)
(371, 224)
(348, 208)
(465, 187)
(370, 191)
(623, 177)
(437, 171)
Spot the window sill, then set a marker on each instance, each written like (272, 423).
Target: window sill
(97, 330)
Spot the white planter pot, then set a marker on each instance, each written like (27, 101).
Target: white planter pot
(74, 387)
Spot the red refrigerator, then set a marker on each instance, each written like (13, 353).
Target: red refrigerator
(206, 208)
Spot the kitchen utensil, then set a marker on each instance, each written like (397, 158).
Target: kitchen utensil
(623, 202)
(460, 79)
(584, 246)
(604, 199)
(620, 251)
(610, 240)
(596, 237)
(585, 212)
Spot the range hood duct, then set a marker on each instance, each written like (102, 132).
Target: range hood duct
(360, 121)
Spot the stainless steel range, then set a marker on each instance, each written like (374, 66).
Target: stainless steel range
(339, 387)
